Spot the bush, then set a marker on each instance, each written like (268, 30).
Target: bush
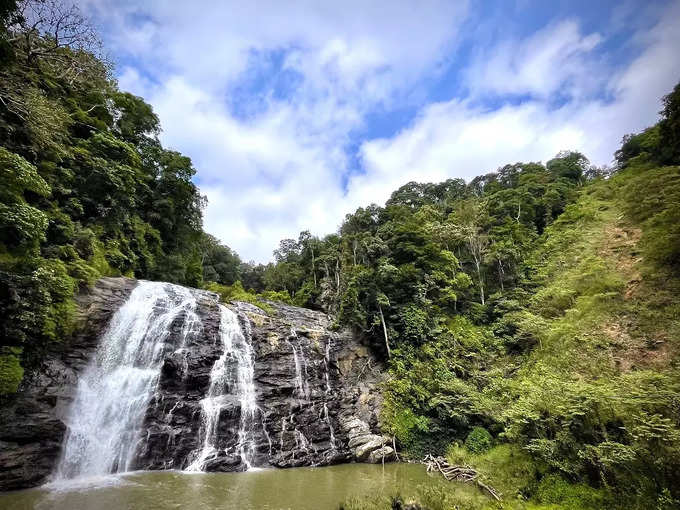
(555, 490)
(236, 292)
(11, 371)
(478, 440)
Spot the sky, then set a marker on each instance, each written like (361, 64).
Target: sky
(296, 113)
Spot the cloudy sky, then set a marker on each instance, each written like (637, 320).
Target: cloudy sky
(298, 112)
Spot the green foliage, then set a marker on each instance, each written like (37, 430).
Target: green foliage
(22, 226)
(555, 490)
(536, 304)
(281, 296)
(236, 292)
(11, 371)
(229, 293)
(403, 423)
(659, 144)
(431, 397)
(574, 356)
(19, 176)
(669, 128)
(478, 440)
(220, 264)
(651, 197)
(640, 148)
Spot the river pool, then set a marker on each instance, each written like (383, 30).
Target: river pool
(322, 488)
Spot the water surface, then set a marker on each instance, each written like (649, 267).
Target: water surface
(321, 488)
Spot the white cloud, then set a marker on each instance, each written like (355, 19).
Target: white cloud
(555, 58)
(455, 139)
(461, 139)
(277, 172)
(280, 169)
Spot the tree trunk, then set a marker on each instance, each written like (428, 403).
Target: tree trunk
(313, 269)
(474, 245)
(479, 277)
(387, 340)
(337, 275)
(501, 274)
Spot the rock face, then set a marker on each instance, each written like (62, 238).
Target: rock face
(309, 381)
(316, 395)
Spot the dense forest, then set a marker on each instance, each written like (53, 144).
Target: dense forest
(528, 318)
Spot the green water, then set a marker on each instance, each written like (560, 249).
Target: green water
(271, 489)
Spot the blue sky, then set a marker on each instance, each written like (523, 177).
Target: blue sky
(296, 113)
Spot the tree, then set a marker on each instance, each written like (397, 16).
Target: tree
(22, 226)
(55, 31)
(134, 120)
(220, 263)
(669, 128)
(569, 165)
(308, 251)
(86, 188)
(468, 226)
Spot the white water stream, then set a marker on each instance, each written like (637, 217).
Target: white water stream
(106, 417)
(231, 373)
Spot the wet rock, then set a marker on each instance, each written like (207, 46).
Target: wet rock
(382, 454)
(223, 462)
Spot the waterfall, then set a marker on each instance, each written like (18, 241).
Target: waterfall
(327, 419)
(326, 415)
(105, 419)
(231, 373)
(300, 362)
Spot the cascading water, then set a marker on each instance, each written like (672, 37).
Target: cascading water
(105, 419)
(301, 384)
(231, 373)
(326, 416)
(192, 327)
(326, 361)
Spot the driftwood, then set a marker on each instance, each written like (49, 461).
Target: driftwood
(458, 473)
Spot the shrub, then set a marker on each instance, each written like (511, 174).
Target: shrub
(555, 490)
(11, 371)
(478, 440)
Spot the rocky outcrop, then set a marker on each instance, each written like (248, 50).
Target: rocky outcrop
(32, 423)
(365, 445)
(335, 380)
(316, 391)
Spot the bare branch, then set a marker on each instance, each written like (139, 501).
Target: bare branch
(56, 33)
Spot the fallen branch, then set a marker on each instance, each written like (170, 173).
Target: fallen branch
(458, 473)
